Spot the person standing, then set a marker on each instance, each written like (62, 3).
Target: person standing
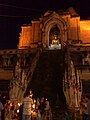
(1, 108)
(47, 109)
(27, 107)
(84, 105)
(38, 116)
(42, 106)
(88, 108)
(4, 104)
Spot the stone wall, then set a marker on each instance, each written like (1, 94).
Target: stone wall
(85, 31)
(25, 36)
(74, 28)
(35, 31)
(30, 35)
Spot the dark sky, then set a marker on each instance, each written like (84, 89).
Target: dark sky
(14, 13)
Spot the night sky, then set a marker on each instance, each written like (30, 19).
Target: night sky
(14, 13)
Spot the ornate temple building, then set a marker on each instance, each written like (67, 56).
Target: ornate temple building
(52, 58)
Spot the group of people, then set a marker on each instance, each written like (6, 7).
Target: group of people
(85, 107)
(27, 109)
(38, 109)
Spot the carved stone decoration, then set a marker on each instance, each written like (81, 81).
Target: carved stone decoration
(72, 85)
(7, 61)
(22, 76)
(53, 20)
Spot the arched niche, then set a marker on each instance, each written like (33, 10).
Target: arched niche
(54, 37)
(59, 24)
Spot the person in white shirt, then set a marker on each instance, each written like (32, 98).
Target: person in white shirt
(27, 107)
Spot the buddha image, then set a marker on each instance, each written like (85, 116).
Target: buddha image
(55, 40)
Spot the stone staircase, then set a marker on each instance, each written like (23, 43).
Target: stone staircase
(48, 75)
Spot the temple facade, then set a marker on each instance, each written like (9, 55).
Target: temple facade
(52, 52)
(66, 25)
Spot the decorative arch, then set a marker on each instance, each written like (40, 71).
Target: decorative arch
(47, 26)
(54, 35)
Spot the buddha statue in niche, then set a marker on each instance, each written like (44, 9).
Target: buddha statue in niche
(55, 41)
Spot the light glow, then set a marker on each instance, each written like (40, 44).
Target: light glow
(85, 25)
(18, 111)
(18, 104)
